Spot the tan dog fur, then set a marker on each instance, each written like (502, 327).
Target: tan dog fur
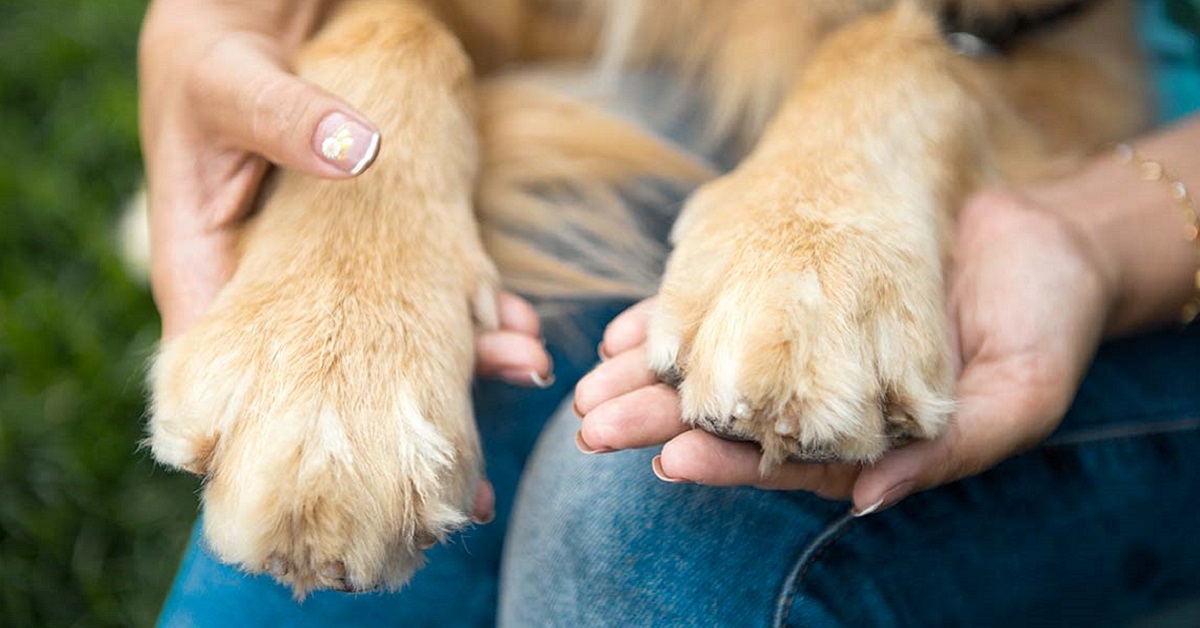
(325, 396)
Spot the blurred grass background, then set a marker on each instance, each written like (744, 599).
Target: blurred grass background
(90, 530)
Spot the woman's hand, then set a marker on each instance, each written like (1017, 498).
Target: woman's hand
(1028, 302)
(219, 105)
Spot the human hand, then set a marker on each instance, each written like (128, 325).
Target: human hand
(1028, 302)
(219, 104)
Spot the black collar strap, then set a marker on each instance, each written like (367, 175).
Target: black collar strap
(978, 35)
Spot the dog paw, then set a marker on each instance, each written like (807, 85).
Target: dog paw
(818, 335)
(332, 422)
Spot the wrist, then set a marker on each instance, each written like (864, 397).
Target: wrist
(1133, 228)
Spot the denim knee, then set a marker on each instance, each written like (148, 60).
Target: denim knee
(599, 540)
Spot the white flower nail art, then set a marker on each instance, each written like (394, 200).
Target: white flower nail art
(338, 145)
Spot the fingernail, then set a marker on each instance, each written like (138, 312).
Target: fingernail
(869, 509)
(602, 353)
(889, 498)
(525, 378)
(576, 410)
(542, 382)
(583, 447)
(483, 511)
(346, 143)
(656, 464)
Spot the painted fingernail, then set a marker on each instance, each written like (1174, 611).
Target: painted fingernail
(526, 378)
(890, 498)
(515, 376)
(583, 447)
(869, 509)
(656, 464)
(346, 143)
(483, 511)
(540, 381)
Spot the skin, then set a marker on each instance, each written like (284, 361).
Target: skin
(219, 106)
(1040, 277)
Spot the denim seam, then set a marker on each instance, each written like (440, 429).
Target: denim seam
(1115, 432)
(841, 525)
(831, 533)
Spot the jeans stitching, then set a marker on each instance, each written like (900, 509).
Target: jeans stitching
(1114, 432)
(840, 526)
(831, 533)
(835, 529)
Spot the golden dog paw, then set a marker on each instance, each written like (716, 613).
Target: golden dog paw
(817, 331)
(332, 422)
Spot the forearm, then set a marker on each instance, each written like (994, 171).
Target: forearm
(1135, 227)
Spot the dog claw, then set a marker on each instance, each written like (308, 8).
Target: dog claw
(276, 566)
(333, 576)
(336, 569)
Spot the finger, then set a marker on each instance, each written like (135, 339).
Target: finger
(627, 330)
(253, 102)
(514, 357)
(999, 416)
(191, 246)
(646, 417)
(699, 457)
(625, 373)
(484, 508)
(186, 285)
(516, 314)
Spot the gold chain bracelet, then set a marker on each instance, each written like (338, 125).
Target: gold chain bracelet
(1154, 171)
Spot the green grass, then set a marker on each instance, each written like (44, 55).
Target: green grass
(90, 530)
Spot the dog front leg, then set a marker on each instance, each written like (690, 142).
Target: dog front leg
(325, 395)
(803, 306)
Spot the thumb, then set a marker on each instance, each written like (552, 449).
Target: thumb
(256, 104)
(1001, 413)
